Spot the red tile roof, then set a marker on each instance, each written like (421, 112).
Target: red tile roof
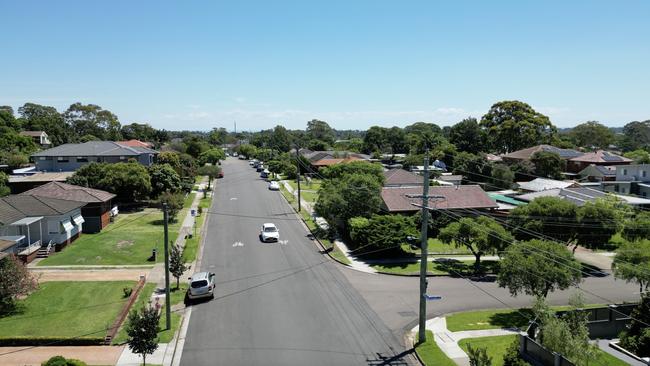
(600, 157)
(135, 143)
(457, 197)
(328, 162)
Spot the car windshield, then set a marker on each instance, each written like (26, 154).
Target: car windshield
(199, 284)
(270, 229)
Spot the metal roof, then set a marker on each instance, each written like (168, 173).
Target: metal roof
(95, 148)
(27, 221)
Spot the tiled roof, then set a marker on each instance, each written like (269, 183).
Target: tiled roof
(70, 192)
(456, 197)
(40, 206)
(135, 143)
(95, 148)
(8, 213)
(41, 177)
(601, 156)
(328, 162)
(526, 154)
(450, 177)
(401, 177)
(542, 184)
(606, 169)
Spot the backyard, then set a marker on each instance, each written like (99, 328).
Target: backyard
(128, 240)
(60, 310)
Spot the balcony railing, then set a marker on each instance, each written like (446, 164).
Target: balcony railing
(29, 249)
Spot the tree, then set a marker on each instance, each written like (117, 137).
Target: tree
(386, 231)
(195, 145)
(632, 263)
(217, 136)
(142, 331)
(636, 135)
(129, 181)
(502, 176)
(280, 139)
(7, 118)
(374, 140)
(176, 263)
(163, 179)
(348, 196)
(284, 167)
(478, 356)
(15, 281)
(592, 134)
(211, 171)
(4, 190)
(320, 130)
(552, 216)
(638, 227)
(639, 156)
(468, 136)
(172, 158)
(474, 168)
(600, 219)
(637, 336)
(212, 156)
(481, 235)
(538, 267)
(248, 150)
(354, 168)
(44, 118)
(548, 164)
(88, 175)
(92, 120)
(514, 125)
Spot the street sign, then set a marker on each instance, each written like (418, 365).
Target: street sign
(193, 212)
(432, 297)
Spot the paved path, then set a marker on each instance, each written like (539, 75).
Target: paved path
(277, 303)
(602, 261)
(92, 355)
(92, 275)
(447, 341)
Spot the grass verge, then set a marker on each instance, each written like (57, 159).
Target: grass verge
(449, 267)
(128, 240)
(191, 248)
(430, 354)
(65, 309)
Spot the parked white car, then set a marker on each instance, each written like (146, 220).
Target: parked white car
(201, 285)
(274, 186)
(269, 233)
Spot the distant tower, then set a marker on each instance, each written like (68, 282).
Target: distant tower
(235, 126)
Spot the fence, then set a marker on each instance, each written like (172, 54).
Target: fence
(124, 312)
(605, 322)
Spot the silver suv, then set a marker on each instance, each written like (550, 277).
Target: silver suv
(201, 285)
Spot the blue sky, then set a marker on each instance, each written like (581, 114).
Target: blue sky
(204, 64)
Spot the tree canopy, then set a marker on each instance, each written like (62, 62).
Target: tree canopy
(592, 134)
(548, 164)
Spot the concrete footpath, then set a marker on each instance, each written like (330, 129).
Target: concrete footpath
(34, 356)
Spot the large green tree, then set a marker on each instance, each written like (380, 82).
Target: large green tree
(338, 171)
(481, 236)
(538, 267)
(91, 119)
(468, 136)
(637, 227)
(599, 220)
(163, 179)
(280, 139)
(212, 156)
(632, 263)
(320, 130)
(514, 125)
(44, 118)
(636, 135)
(592, 134)
(550, 216)
(142, 331)
(548, 164)
(636, 337)
(639, 156)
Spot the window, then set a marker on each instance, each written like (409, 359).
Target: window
(121, 157)
(62, 159)
(623, 190)
(53, 227)
(624, 171)
(643, 194)
(643, 173)
(82, 159)
(41, 158)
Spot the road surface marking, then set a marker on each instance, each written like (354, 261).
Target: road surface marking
(233, 198)
(283, 242)
(238, 244)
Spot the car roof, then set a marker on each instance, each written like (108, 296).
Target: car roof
(268, 224)
(200, 276)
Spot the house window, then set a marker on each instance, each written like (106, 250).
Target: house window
(643, 173)
(623, 190)
(624, 171)
(82, 159)
(615, 188)
(41, 158)
(643, 194)
(121, 157)
(53, 227)
(62, 159)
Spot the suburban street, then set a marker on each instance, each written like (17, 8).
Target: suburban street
(277, 303)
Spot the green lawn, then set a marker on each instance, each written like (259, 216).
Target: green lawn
(430, 354)
(604, 358)
(128, 240)
(495, 318)
(315, 184)
(67, 309)
(191, 248)
(435, 246)
(496, 346)
(309, 196)
(465, 268)
(176, 296)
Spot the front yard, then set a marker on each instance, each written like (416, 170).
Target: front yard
(446, 267)
(128, 240)
(496, 346)
(60, 310)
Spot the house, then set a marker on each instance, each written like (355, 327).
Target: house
(453, 179)
(97, 203)
(70, 157)
(598, 158)
(39, 137)
(467, 197)
(24, 182)
(402, 178)
(34, 223)
(542, 184)
(630, 179)
(598, 173)
(526, 154)
(317, 165)
(136, 143)
(504, 202)
(581, 195)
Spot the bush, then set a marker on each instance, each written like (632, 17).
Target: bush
(62, 361)
(359, 230)
(637, 336)
(512, 358)
(127, 291)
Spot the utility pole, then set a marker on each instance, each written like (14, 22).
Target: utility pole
(168, 307)
(424, 254)
(298, 175)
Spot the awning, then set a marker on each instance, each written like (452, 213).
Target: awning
(78, 220)
(26, 221)
(67, 225)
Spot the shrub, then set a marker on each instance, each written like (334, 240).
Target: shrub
(512, 358)
(62, 361)
(127, 291)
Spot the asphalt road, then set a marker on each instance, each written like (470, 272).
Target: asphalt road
(277, 303)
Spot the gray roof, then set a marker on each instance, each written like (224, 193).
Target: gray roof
(34, 206)
(542, 184)
(95, 148)
(70, 192)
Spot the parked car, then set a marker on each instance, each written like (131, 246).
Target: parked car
(274, 186)
(220, 175)
(251, 162)
(259, 168)
(201, 286)
(265, 173)
(269, 233)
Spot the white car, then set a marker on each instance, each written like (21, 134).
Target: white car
(269, 233)
(201, 285)
(274, 186)
(251, 162)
